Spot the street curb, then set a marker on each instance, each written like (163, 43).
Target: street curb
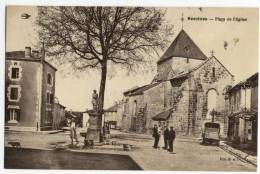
(241, 156)
(35, 132)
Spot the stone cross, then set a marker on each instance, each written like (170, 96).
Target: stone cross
(182, 21)
(212, 53)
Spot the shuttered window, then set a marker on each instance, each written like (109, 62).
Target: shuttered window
(14, 93)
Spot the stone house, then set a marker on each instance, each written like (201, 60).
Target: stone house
(243, 111)
(114, 114)
(30, 91)
(110, 116)
(188, 86)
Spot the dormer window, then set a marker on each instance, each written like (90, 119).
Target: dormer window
(49, 79)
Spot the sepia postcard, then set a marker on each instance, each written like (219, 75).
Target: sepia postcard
(131, 88)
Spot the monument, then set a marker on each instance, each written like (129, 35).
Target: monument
(93, 134)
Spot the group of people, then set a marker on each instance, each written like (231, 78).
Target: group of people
(168, 136)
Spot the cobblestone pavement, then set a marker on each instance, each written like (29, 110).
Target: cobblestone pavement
(188, 154)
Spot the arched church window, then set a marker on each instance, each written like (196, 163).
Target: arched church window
(135, 108)
(212, 102)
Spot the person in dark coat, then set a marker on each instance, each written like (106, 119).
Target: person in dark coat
(171, 138)
(156, 136)
(165, 137)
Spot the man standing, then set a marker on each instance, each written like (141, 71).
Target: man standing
(156, 136)
(73, 133)
(171, 138)
(166, 137)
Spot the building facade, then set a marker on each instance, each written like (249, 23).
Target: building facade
(243, 111)
(113, 115)
(30, 91)
(187, 91)
(59, 118)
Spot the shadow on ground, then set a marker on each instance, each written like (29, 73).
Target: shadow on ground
(48, 159)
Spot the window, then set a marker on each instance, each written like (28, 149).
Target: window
(15, 73)
(213, 72)
(14, 115)
(14, 93)
(49, 79)
(211, 102)
(50, 98)
(187, 52)
(135, 108)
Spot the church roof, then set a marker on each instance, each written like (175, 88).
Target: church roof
(183, 46)
(163, 116)
(140, 90)
(112, 108)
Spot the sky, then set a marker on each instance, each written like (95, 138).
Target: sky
(240, 56)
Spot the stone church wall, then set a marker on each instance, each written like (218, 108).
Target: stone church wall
(175, 66)
(207, 81)
(154, 98)
(188, 98)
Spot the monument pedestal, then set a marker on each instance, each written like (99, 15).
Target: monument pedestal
(93, 132)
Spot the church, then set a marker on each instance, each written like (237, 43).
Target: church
(188, 90)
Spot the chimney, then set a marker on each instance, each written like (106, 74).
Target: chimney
(27, 52)
(35, 54)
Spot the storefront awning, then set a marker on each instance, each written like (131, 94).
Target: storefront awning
(163, 116)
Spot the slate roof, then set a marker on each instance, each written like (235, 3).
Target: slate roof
(183, 46)
(15, 54)
(112, 108)
(251, 81)
(163, 116)
(140, 90)
(20, 56)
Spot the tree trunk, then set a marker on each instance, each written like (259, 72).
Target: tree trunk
(102, 95)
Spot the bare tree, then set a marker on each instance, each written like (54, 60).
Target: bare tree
(91, 37)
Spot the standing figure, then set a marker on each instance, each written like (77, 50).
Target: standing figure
(73, 132)
(94, 100)
(160, 131)
(156, 136)
(166, 137)
(171, 138)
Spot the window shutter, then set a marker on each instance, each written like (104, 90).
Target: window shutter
(14, 93)
(18, 114)
(7, 115)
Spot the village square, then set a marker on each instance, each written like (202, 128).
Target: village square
(190, 114)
